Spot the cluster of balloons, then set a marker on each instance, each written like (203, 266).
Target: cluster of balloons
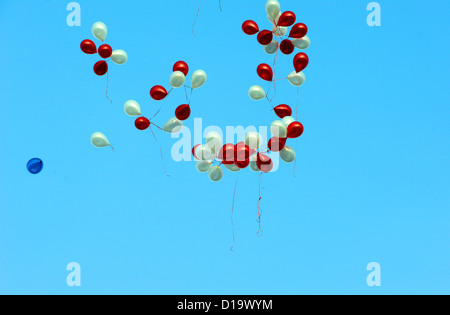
(100, 31)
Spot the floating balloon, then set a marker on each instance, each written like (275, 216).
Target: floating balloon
(214, 141)
(119, 57)
(302, 43)
(276, 144)
(177, 79)
(158, 93)
(226, 154)
(242, 152)
(253, 164)
(183, 112)
(193, 151)
(253, 139)
(286, 19)
(297, 79)
(273, 9)
(242, 164)
(198, 78)
(265, 37)
(215, 173)
(105, 51)
(250, 27)
(301, 61)
(287, 47)
(295, 130)
(99, 140)
(101, 68)
(278, 129)
(88, 47)
(256, 93)
(182, 67)
(264, 163)
(288, 154)
(173, 125)
(35, 166)
(142, 123)
(288, 120)
(232, 167)
(271, 48)
(204, 153)
(299, 30)
(283, 110)
(99, 30)
(203, 166)
(265, 72)
(132, 108)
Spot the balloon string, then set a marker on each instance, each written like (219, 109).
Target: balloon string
(232, 213)
(114, 150)
(107, 86)
(295, 166)
(274, 72)
(298, 91)
(161, 151)
(259, 206)
(157, 126)
(220, 5)
(195, 20)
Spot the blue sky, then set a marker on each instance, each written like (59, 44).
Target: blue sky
(372, 172)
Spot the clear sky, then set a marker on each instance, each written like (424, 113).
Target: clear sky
(372, 178)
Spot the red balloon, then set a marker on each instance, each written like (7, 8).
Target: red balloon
(301, 61)
(142, 123)
(183, 112)
(105, 51)
(242, 152)
(265, 37)
(264, 163)
(295, 130)
(250, 27)
(100, 68)
(181, 66)
(277, 144)
(226, 154)
(299, 30)
(287, 47)
(193, 151)
(287, 19)
(158, 92)
(88, 47)
(283, 110)
(242, 164)
(265, 72)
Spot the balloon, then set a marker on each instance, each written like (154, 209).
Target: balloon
(274, 21)
(276, 144)
(214, 141)
(119, 56)
(198, 78)
(299, 30)
(301, 61)
(283, 110)
(194, 150)
(158, 93)
(215, 173)
(279, 30)
(254, 165)
(287, 47)
(242, 164)
(302, 43)
(271, 48)
(288, 120)
(278, 129)
(288, 154)
(177, 79)
(264, 163)
(204, 153)
(142, 123)
(35, 166)
(132, 108)
(256, 93)
(99, 140)
(173, 125)
(265, 37)
(242, 152)
(265, 72)
(295, 130)
(105, 51)
(250, 27)
(286, 19)
(203, 166)
(297, 79)
(232, 167)
(182, 67)
(88, 47)
(99, 30)
(100, 68)
(273, 9)
(253, 139)
(183, 112)
(226, 154)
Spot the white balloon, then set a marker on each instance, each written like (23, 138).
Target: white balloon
(278, 129)
(204, 153)
(177, 79)
(214, 141)
(288, 120)
(279, 30)
(273, 9)
(99, 140)
(297, 78)
(99, 30)
(302, 43)
(254, 166)
(232, 167)
(132, 108)
(288, 154)
(274, 20)
(119, 56)
(173, 125)
(198, 78)
(203, 166)
(272, 48)
(215, 173)
(253, 139)
(256, 93)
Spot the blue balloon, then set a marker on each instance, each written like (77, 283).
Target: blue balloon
(34, 166)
